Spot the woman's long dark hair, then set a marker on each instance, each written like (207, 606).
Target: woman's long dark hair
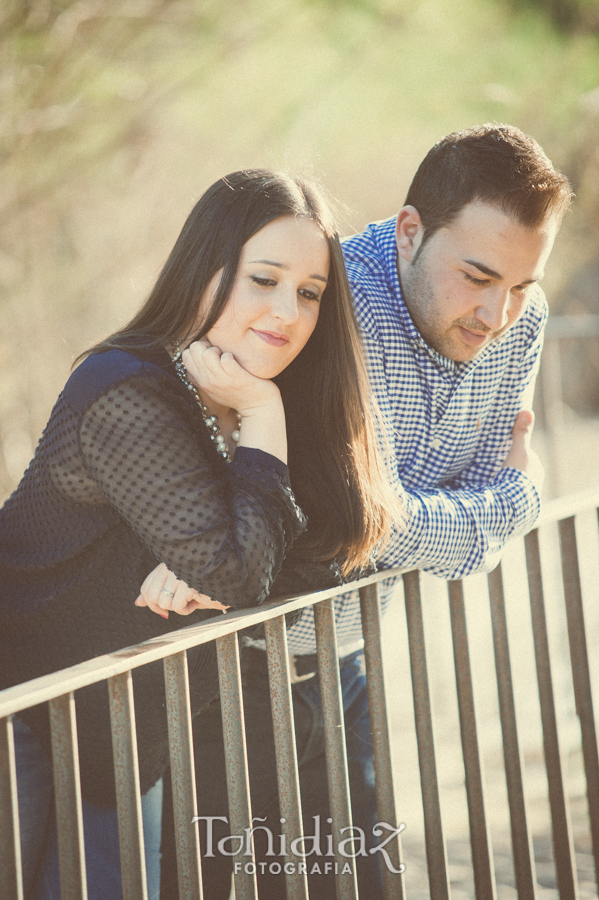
(336, 470)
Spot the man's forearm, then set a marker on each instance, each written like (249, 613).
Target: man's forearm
(458, 533)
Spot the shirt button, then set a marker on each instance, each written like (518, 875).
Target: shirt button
(436, 443)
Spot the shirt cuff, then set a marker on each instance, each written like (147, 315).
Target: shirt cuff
(522, 493)
(251, 456)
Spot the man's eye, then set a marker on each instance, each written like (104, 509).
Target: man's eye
(474, 280)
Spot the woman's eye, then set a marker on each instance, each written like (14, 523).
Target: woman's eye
(263, 282)
(474, 280)
(309, 295)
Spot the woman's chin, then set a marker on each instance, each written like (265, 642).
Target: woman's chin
(264, 370)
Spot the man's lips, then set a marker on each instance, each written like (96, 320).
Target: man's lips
(473, 338)
(274, 338)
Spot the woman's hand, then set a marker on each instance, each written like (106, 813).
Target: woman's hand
(162, 591)
(257, 400)
(225, 382)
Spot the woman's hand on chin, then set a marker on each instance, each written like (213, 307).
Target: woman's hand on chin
(163, 592)
(257, 400)
(225, 381)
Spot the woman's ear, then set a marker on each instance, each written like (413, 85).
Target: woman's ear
(408, 232)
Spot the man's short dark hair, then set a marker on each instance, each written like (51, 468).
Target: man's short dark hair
(495, 164)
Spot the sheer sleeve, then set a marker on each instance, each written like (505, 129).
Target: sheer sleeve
(300, 575)
(222, 527)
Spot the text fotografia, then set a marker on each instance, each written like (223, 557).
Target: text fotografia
(350, 847)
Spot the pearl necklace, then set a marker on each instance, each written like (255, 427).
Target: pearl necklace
(211, 422)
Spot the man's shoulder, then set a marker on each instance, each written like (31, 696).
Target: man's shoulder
(369, 250)
(370, 260)
(537, 307)
(530, 325)
(522, 341)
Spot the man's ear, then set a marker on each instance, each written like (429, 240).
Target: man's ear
(409, 232)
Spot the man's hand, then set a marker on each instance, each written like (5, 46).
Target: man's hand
(162, 591)
(520, 455)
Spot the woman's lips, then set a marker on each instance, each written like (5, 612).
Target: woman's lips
(272, 337)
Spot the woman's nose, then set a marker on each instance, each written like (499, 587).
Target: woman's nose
(285, 305)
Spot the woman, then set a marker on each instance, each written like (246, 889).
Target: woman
(169, 445)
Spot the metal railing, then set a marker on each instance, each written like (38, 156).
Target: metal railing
(549, 398)
(57, 689)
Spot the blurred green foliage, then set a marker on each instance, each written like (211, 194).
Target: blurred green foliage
(567, 16)
(117, 114)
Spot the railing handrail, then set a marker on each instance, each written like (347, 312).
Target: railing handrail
(48, 687)
(569, 505)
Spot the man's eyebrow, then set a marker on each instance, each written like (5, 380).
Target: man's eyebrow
(491, 272)
(278, 265)
(482, 268)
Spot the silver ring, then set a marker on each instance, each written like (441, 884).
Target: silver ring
(170, 593)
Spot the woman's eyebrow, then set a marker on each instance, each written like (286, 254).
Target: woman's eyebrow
(270, 262)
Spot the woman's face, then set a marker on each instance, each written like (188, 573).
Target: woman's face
(274, 304)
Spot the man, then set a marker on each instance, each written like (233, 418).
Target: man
(452, 317)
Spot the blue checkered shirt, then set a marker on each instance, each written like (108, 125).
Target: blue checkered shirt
(450, 425)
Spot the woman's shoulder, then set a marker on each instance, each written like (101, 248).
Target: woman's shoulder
(100, 372)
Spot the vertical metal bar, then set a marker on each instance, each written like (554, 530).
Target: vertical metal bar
(128, 798)
(11, 881)
(435, 842)
(581, 675)
(285, 748)
(524, 865)
(185, 805)
(334, 742)
(393, 884)
(67, 794)
(238, 784)
(563, 849)
(482, 851)
(553, 411)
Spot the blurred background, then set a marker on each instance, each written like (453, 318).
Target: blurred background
(117, 114)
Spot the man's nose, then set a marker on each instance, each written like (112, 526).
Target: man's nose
(493, 312)
(285, 304)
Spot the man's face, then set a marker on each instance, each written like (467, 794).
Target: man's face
(472, 280)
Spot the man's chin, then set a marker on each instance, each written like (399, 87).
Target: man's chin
(463, 345)
(467, 354)
(454, 346)
(458, 352)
